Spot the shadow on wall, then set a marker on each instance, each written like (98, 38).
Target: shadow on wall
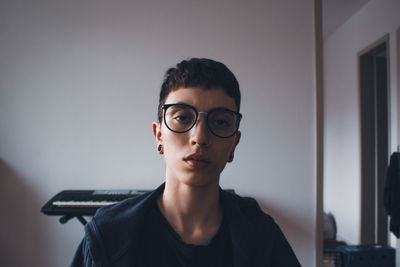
(22, 236)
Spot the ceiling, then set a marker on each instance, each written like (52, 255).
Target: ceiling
(336, 12)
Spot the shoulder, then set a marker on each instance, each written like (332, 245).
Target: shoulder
(120, 212)
(247, 207)
(115, 229)
(256, 233)
(245, 215)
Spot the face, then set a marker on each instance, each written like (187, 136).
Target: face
(196, 157)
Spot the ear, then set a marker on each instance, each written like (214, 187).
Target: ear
(236, 142)
(238, 135)
(157, 131)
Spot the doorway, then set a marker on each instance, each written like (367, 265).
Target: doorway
(374, 105)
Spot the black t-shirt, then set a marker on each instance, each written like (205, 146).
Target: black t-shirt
(162, 246)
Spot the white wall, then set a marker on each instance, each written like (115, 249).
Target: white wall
(342, 151)
(79, 83)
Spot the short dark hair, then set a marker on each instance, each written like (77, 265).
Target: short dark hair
(199, 72)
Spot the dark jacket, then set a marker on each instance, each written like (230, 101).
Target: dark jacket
(112, 237)
(392, 193)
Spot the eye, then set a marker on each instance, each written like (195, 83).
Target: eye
(181, 118)
(184, 116)
(221, 119)
(221, 123)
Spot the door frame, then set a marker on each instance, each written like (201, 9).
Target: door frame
(374, 221)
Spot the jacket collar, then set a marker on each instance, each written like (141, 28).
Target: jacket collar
(243, 234)
(242, 231)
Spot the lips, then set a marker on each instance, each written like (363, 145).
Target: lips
(196, 161)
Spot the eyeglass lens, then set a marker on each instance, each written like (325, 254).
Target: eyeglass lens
(181, 118)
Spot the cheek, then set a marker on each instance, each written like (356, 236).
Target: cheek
(172, 142)
(224, 150)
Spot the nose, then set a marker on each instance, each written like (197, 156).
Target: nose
(200, 134)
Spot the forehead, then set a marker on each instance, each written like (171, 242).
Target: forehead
(201, 99)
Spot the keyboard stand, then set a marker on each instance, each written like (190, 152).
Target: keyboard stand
(64, 219)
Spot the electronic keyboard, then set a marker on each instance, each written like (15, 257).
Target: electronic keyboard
(78, 203)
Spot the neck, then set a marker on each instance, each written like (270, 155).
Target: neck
(193, 211)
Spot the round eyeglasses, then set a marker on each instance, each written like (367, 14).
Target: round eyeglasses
(221, 122)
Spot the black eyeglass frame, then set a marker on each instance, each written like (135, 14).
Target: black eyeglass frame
(238, 115)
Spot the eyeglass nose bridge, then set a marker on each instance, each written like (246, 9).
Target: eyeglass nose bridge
(202, 112)
(197, 119)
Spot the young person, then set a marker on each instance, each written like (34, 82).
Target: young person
(189, 220)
